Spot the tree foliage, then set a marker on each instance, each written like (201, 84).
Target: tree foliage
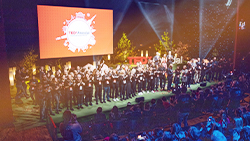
(181, 49)
(123, 50)
(164, 44)
(59, 64)
(215, 52)
(29, 59)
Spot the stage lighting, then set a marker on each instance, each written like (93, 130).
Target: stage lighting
(214, 19)
(159, 16)
(11, 77)
(34, 69)
(242, 24)
(109, 57)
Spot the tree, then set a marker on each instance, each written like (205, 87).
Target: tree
(164, 44)
(181, 49)
(215, 52)
(123, 50)
(29, 59)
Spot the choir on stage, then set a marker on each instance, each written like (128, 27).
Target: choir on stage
(75, 88)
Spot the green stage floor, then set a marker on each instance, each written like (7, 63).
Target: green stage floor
(26, 115)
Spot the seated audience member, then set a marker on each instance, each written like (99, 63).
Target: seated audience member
(246, 119)
(158, 133)
(70, 129)
(128, 110)
(114, 137)
(183, 106)
(218, 136)
(238, 113)
(224, 121)
(115, 114)
(132, 136)
(147, 111)
(141, 105)
(136, 113)
(211, 126)
(99, 117)
(245, 134)
(153, 104)
(159, 108)
(177, 133)
(167, 136)
(165, 103)
(194, 134)
(238, 125)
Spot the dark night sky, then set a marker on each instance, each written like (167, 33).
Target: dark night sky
(21, 27)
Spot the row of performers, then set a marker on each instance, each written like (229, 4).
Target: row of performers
(77, 86)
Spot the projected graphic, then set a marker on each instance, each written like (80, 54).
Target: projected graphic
(78, 32)
(70, 32)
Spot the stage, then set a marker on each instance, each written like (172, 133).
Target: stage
(26, 115)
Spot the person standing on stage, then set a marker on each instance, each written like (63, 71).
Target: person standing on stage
(157, 58)
(41, 73)
(128, 89)
(123, 85)
(151, 80)
(189, 74)
(69, 83)
(19, 86)
(33, 82)
(88, 89)
(106, 86)
(208, 71)
(203, 71)
(177, 77)
(164, 61)
(98, 86)
(184, 77)
(41, 98)
(115, 83)
(79, 87)
(48, 94)
(139, 81)
(214, 69)
(197, 71)
(133, 83)
(162, 70)
(170, 59)
(24, 76)
(170, 76)
(157, 77)
(56, 93)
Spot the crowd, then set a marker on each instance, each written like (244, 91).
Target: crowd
(231, 122)
(78, 85)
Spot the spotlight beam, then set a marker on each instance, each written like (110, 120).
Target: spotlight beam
(202, 52)
(125, 9)
(147, 18)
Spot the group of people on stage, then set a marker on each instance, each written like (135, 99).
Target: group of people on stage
(78, 86)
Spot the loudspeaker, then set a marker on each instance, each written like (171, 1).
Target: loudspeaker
(203, 84)
(138, 99)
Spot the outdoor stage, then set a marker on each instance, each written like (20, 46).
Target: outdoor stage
(26, 115)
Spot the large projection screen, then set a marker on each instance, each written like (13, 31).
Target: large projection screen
(72, 32)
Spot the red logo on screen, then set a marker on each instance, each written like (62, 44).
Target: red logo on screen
(78, 32)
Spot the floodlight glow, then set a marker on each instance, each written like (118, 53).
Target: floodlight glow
(159, 16)
(214, 18)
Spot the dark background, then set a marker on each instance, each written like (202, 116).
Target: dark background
(142, 20)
